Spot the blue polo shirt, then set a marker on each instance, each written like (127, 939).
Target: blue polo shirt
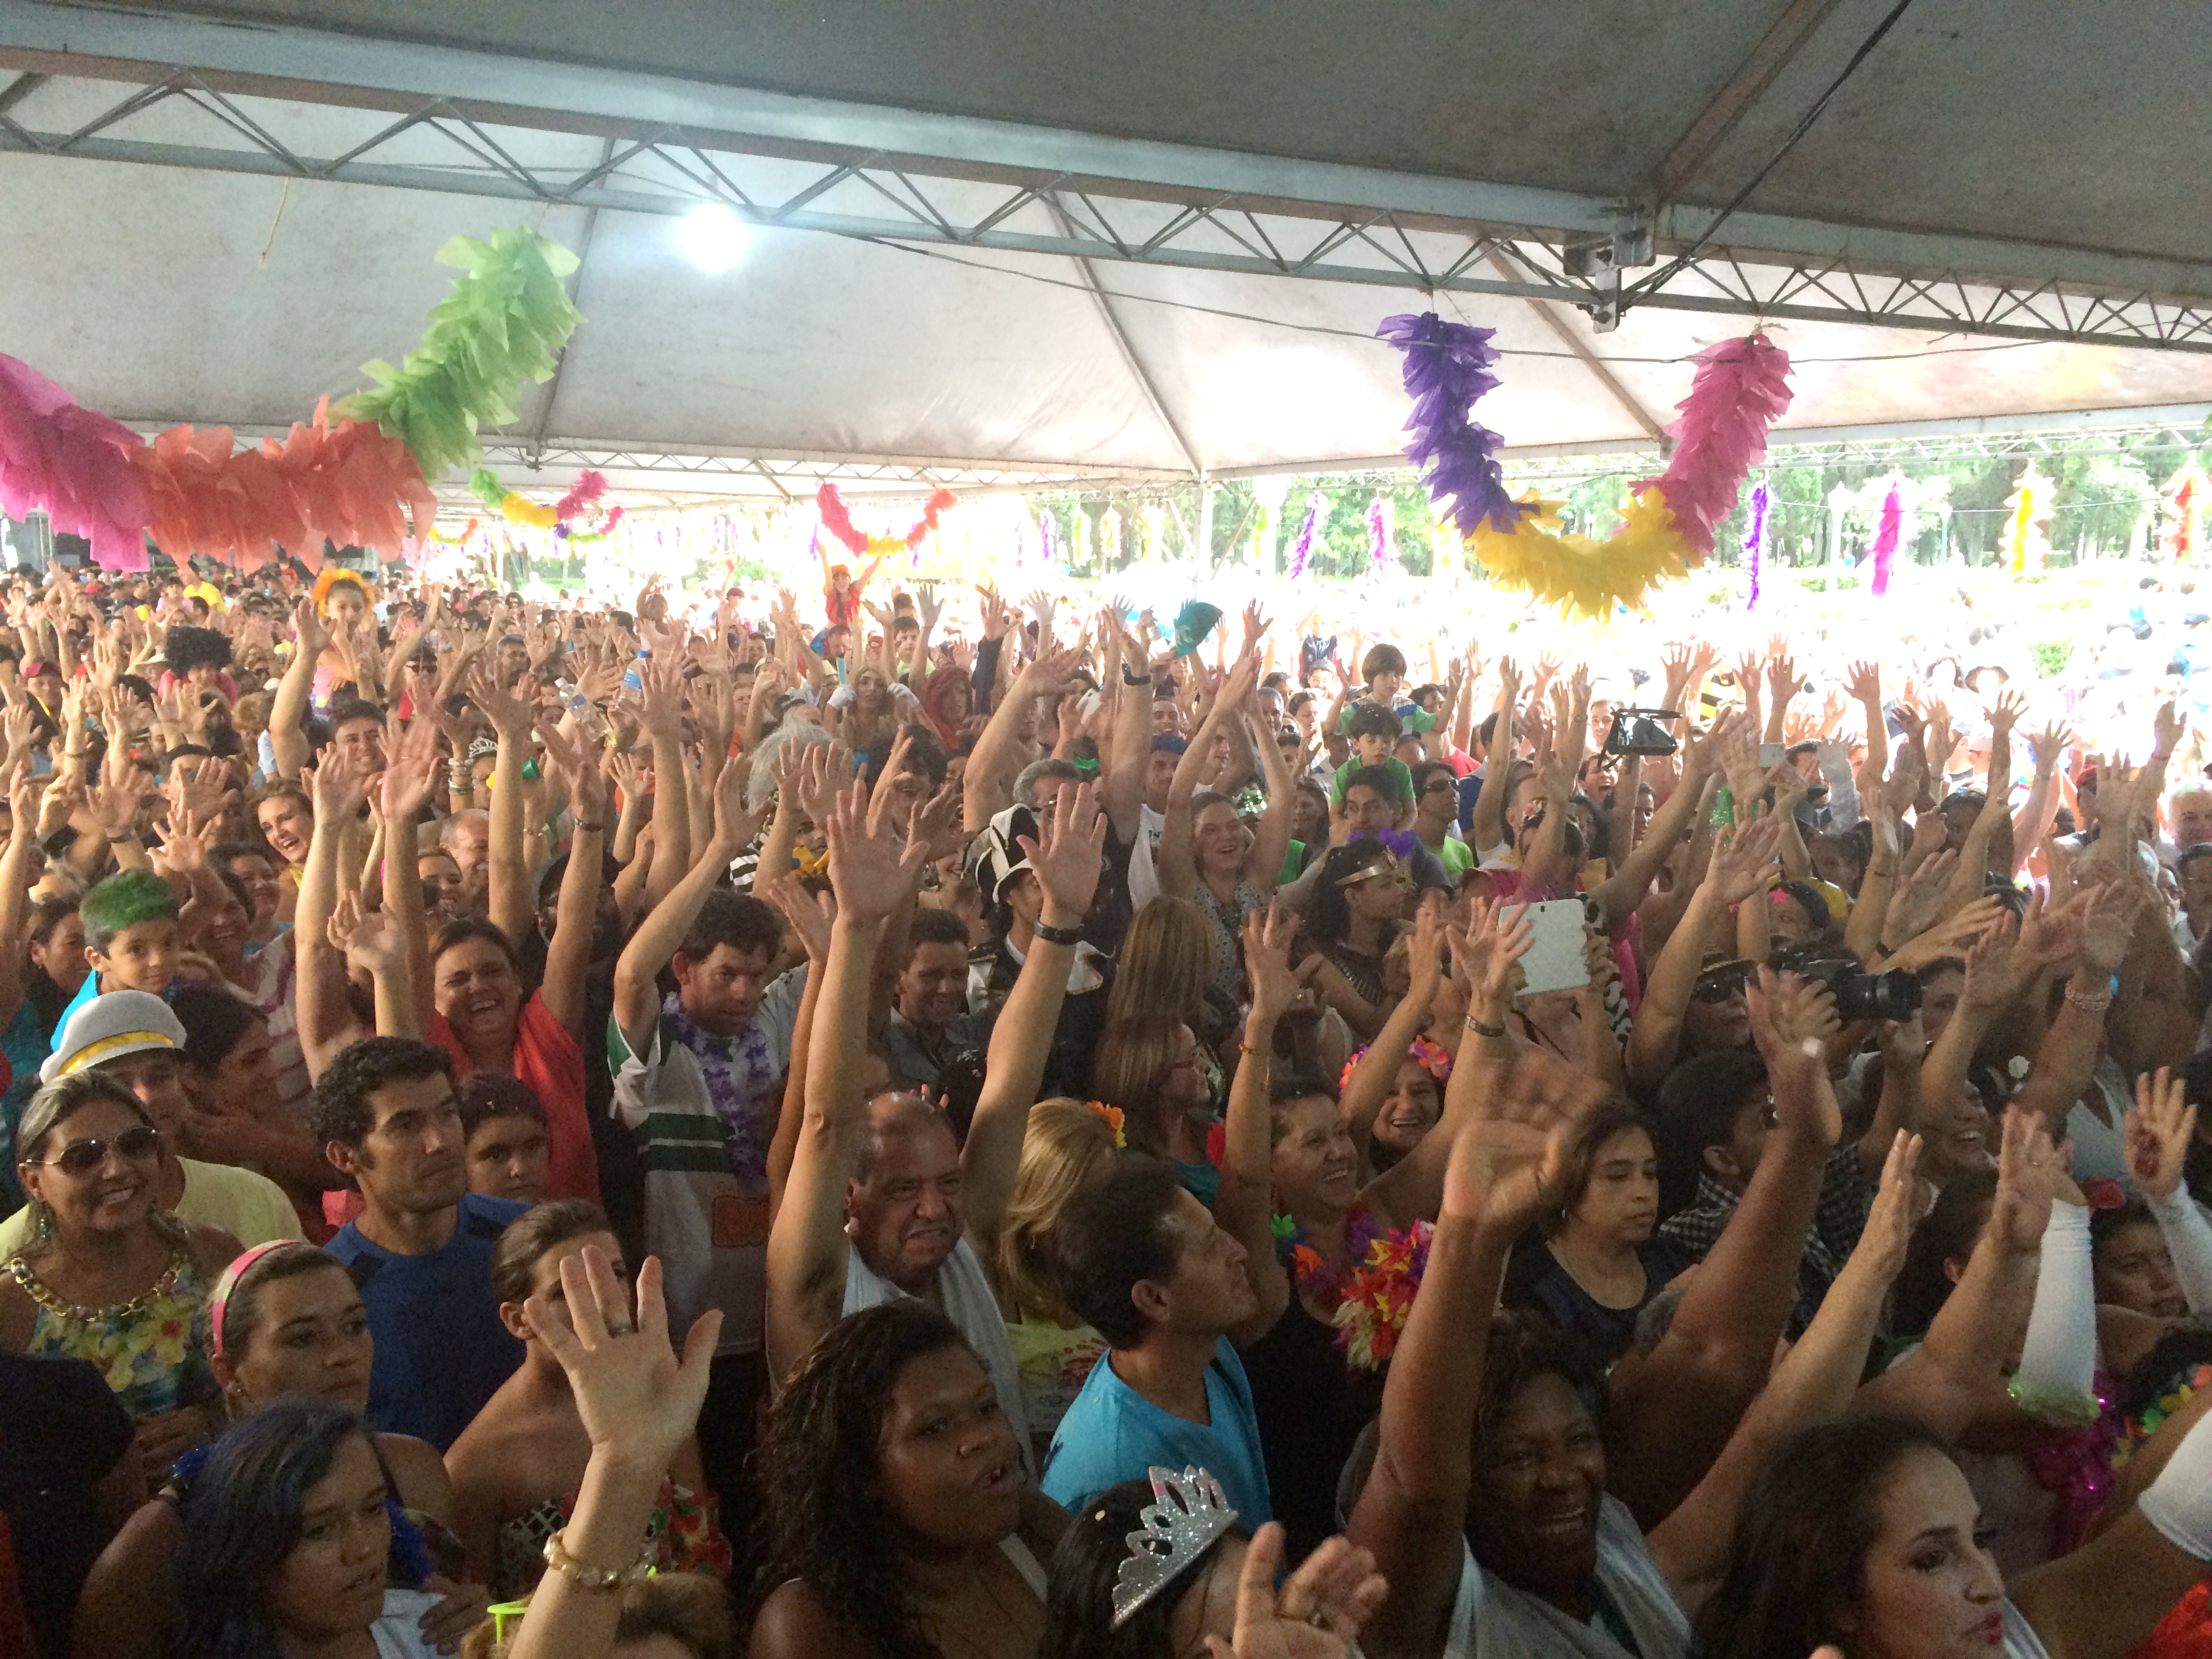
(1113, 1433)
(440, 1349)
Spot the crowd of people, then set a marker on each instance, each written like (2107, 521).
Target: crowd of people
(921, 1126)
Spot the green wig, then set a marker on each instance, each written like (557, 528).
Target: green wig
(124, 900)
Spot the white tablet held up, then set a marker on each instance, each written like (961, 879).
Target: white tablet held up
(1555, 960)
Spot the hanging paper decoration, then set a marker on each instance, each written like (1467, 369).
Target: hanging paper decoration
(1151, 528)
(73, 464)
(588, 487)
(1316, 509)
(504, 322)
(2182, 505)
(837, 519)
(1740, 389)
(1110, 538)
(1579, 572)
(1447, 368)
(1381, 543)
(350, 484)
(1078, 535)
(1754, 541)
(2023, 542)
(1045, 527)
(1889, 531)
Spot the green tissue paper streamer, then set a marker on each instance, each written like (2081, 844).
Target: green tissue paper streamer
(504, 323)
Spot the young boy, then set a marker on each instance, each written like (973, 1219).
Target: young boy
(505, 1123)
(131, 937)
(1374, 731)
(1384, 668)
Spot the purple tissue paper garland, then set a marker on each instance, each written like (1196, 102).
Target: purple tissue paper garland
(1754, 544)
(1448, 367)
(1317, 504)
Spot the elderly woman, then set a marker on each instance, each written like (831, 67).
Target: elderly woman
(109, 1277)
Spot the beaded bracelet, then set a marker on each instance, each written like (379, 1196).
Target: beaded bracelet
(590, 1578)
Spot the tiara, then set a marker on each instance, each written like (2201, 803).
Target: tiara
(1189, 1513)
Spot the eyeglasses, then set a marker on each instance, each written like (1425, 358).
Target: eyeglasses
(81, 1158)
(1440, 786)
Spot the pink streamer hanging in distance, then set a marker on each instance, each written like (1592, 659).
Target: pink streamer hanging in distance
(1741, 388)
(73, 464)
(1888, 531)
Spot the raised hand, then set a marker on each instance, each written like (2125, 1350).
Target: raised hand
(2005, 712)
(870, 871)
(410, 767)
(311, 635)
(639, 1404)
(2160, 1127)
(1881, 1248)
(1744, 860)
(2048, 746)
(1511, 1151)
(2030, 1172)
(1863, 683)
(2108, 925)
(338, 788)
(1320, 1610)
(371, 940)
(510, 716)
(1275, 982)
(1066, 856)
(809, 914)
(1792, 1021)
(661, 705)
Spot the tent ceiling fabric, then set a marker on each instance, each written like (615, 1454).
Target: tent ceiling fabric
(198, 290)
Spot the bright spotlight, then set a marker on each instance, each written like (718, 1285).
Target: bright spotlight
(713, 238)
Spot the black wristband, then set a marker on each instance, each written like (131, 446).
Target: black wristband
(1128, 678)
(1060, 935)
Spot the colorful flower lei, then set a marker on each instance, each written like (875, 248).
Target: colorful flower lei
(1378, 1295)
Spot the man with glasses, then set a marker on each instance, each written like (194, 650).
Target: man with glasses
(1436, 813)
(132, 1037)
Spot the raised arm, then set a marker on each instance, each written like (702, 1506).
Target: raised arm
(871, 875)
(568, 952)
(1623, 890)
(509, 898)
(991, 768)
(1173, 859)
(637, 994)
(1271, 841)
(1813, 1383)
(810, 919)
(1243, 1203)
(1489, 820)
(1065, 861)
(1412, 1512)
(1676, 1406)
(1959, 1369)
(662, 710)
(1742, 864)
(327, 1023)
(1376, 1074)
(289, 706)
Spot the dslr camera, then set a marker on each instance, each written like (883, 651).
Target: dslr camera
(1861, 995)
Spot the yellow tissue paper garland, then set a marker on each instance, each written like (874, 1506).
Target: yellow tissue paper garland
(2023, 540)
(1581, 574)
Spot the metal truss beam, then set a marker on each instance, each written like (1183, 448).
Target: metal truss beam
(681, 143)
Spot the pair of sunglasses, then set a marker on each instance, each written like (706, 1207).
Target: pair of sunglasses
(81, 1158)
(1720, 985)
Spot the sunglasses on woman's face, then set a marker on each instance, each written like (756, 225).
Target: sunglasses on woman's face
(1440, 786)
(1720, 986)
(81, 1158)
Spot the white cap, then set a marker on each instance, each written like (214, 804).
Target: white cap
(110, 1026)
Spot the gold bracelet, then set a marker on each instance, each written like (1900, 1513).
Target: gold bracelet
(1481, 1029)
(591, 1578)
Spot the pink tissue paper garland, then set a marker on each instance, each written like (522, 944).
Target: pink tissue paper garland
(1741, 388)
(75, 464)
(1316, 504)
(1888, 531)
(1382, 554)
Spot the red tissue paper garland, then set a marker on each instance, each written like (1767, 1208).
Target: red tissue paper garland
(838, 521)
(72, 463)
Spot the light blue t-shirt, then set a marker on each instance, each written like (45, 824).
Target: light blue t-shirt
(1113, 1433)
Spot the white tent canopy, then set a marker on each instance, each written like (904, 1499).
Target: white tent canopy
(1014, 244)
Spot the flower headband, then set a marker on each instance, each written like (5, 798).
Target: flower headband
(1430, 1057)
(1111, 1117)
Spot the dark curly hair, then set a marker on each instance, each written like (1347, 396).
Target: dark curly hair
(1086, 1563)
(826, 1519)
(1797, 1558)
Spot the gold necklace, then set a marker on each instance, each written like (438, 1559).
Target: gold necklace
(120, 1313)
